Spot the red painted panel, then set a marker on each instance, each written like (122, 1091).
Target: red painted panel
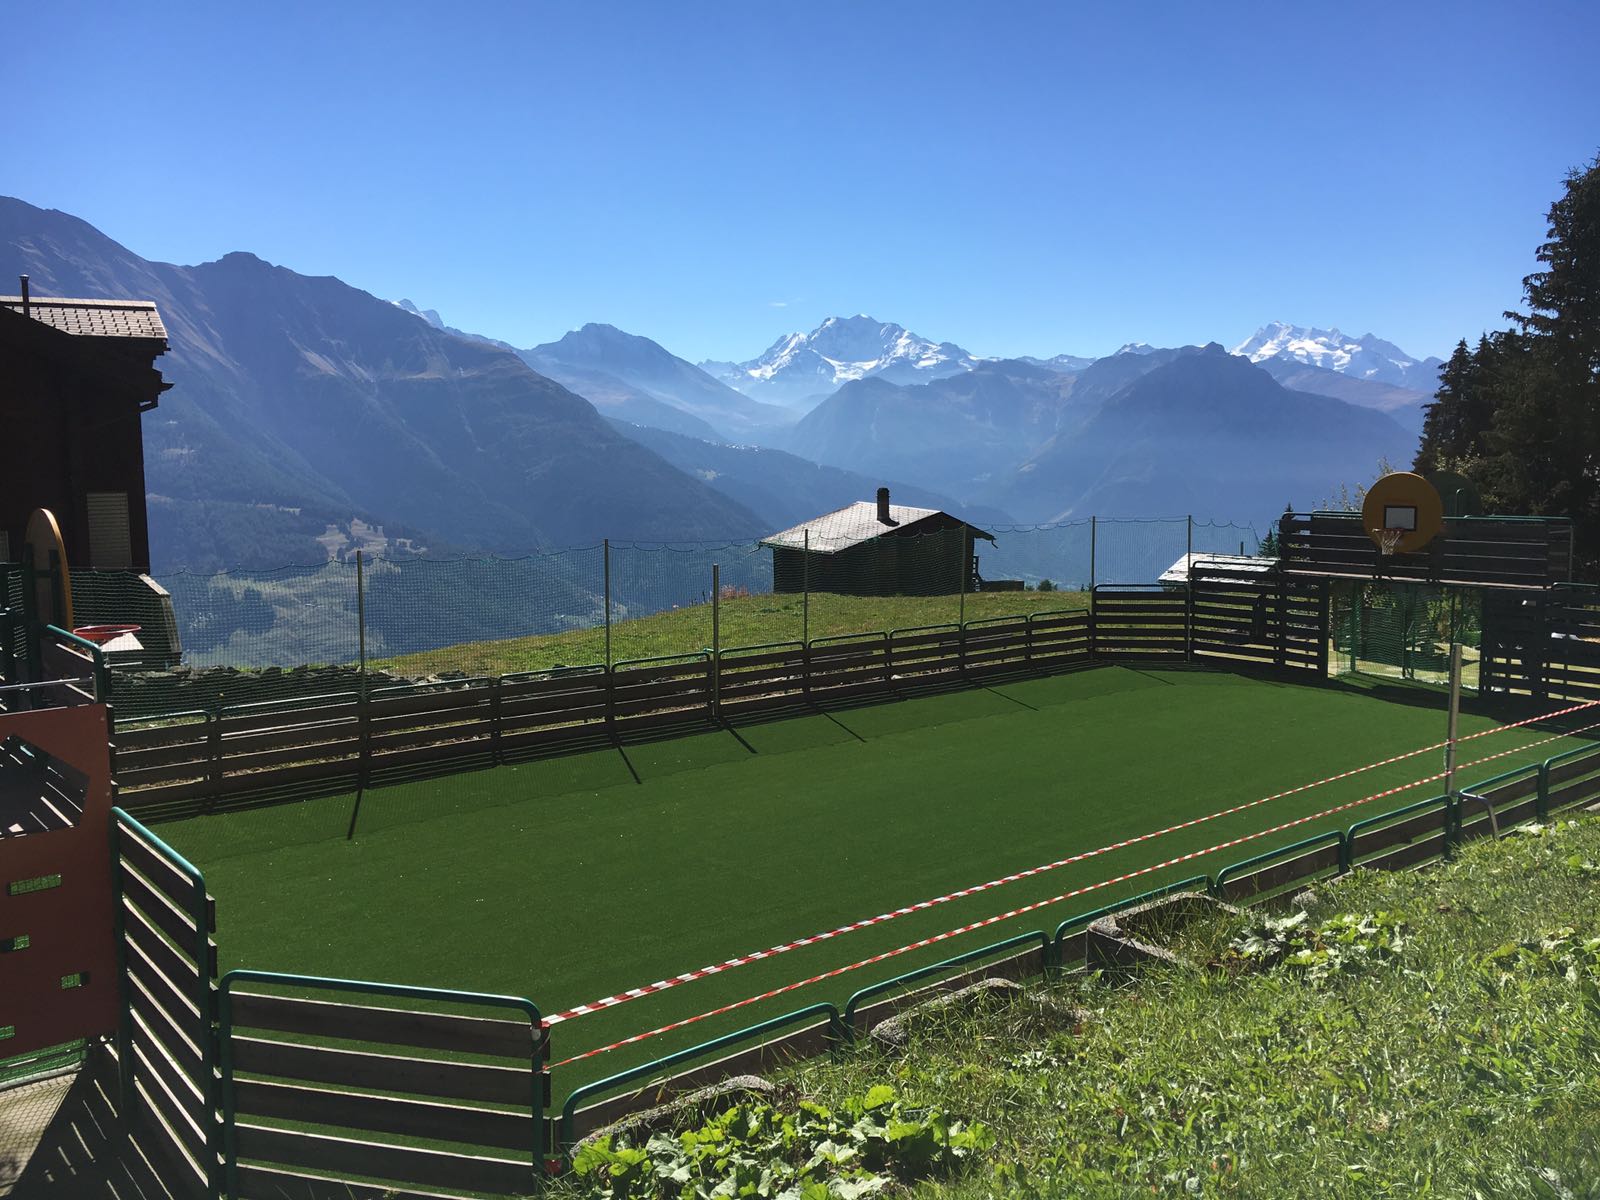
(70, 928)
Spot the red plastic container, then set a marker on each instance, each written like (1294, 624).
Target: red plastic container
(101, 634)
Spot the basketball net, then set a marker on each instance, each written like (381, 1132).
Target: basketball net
(1388, 540)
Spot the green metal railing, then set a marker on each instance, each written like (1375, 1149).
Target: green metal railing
(226, 988)
(1085, 919)
(839, 1024)
(656, 1066)
(862, 995)
(196, 907)
(1304, 845)
(1445, 803)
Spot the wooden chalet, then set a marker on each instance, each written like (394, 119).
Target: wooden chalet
(75, 378)
(878, 549)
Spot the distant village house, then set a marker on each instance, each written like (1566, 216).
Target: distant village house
(878, 549)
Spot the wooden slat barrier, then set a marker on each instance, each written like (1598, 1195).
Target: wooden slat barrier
(313, 1106)
(166, 1044)
(1140, 623)
(1546, 646)
(1497, 552)
(186, 763)
(1263, 620)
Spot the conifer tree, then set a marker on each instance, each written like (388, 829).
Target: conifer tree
(1520, 414)
(1545, 439)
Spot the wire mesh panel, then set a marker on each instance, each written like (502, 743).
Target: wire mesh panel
(249, 636)
(347, 628)
(484, 616)
(1403, 631)
(1041, 557)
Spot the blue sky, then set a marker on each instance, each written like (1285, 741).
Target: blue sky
(1019, 178)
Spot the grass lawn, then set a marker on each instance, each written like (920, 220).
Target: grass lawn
(745, 621)
(573, 878)
(1424, 1033)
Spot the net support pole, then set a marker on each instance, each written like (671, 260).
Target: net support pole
(361, 622)
(965, 559)
(716, 641)
(1094, 537)
(805, 590)
(1452, 721)
(1188, 590)
(606, 557)
(363, 717)
(805, 613)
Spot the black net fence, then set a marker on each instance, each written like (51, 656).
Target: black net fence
(1396, 630)
(207, 643)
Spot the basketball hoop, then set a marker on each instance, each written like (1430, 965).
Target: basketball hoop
(1388, 540)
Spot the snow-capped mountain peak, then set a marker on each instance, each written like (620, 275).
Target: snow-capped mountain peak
(802, 367)
(1365, 357)
(431, 316)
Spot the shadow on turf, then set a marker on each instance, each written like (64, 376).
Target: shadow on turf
(596, 737)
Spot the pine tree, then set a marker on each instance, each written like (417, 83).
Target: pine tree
(1520, 414)
(1444, 423)
(1545, 441)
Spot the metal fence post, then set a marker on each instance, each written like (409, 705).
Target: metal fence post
(805, 615)
(716, 641)
(1094, 537)
(961, 610)
(214, 748)
(1451, 722)
(805, 591)
(1188, 592)
(966, 571)
(494, 719)
(606, 547)
(361, 623)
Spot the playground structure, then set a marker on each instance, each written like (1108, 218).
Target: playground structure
(206, 1070)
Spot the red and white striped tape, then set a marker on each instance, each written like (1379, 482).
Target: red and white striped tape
(662, 985)
(1023, 910)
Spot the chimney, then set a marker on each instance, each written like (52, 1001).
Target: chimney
(24, 279)
(883, 507)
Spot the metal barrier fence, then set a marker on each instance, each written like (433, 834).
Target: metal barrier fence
(329, 1043)
(180, 762)
(245, 636)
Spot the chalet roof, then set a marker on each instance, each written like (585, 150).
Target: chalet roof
(857, 523)
(94, 318)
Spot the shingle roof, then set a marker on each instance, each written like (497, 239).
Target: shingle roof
(1227, 564)
(850, 526)
(94, 318)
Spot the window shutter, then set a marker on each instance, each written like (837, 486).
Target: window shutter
(110, 543)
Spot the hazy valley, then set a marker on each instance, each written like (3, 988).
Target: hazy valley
(308, 416)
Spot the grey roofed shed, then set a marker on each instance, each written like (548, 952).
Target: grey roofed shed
(877, 549)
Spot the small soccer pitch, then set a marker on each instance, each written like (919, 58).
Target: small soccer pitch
(576, 879)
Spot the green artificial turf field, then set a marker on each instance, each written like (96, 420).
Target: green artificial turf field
(570, 879)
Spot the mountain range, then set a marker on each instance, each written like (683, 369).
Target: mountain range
(307, 416)
(1201, 431)
(1366, 357)
(631, 378)
(1142, 432)
(299, 403)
